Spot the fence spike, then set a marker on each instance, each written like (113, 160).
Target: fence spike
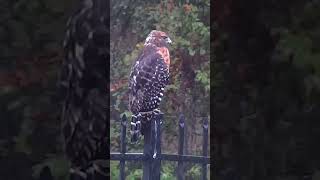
(147, 150)
(151, 167)
(205, 123)
(205, 147)
(157, 161)
(181, 144)
(123, 119)
(123, 146)
(181, 120)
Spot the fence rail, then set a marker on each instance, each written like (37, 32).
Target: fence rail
(152, 156)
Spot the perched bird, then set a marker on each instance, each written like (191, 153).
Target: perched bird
(148, 78)
(83, 87)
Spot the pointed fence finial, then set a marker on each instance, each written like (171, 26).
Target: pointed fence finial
(205, 123)
(181, 120)
(180, 173)
(123, 119)
(205, 148)
(123, 145)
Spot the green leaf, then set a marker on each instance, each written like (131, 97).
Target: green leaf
(202, 51)
(192, 52)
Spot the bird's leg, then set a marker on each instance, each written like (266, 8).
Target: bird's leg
(135, 128)
(156, 112)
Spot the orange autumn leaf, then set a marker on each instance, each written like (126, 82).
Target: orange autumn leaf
(118, 85)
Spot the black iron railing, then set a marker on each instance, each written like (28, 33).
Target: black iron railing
(152, 156)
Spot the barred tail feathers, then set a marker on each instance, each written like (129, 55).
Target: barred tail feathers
(139, 123)
(135, 128)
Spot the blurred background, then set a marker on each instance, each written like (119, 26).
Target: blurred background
(188, 25)
(266, 89)
(31, 36)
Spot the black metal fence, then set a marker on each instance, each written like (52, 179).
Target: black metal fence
(152, 156)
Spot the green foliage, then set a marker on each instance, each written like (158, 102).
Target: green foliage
(114, 170)
(30, 52)
(135, 175)
(300, 40)
(204, 78)
(194, 172)
(277, 102)
(168, 172)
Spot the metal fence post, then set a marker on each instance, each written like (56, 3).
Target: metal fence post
(156, 165)
(151, 165)
(181, 143)
(147, 147)
(205, 148)
(152, 159)
(123, 146)
(152, 145)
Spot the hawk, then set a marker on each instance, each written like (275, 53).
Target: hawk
(148, 78)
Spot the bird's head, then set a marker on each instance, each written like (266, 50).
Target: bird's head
(158, 38)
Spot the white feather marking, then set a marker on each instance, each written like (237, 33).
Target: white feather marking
(135, 79)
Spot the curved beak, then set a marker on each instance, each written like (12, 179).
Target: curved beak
(168, 40)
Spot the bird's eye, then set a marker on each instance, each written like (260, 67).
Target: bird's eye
(164, 37)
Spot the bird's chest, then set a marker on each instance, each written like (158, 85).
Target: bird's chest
(164, 52)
